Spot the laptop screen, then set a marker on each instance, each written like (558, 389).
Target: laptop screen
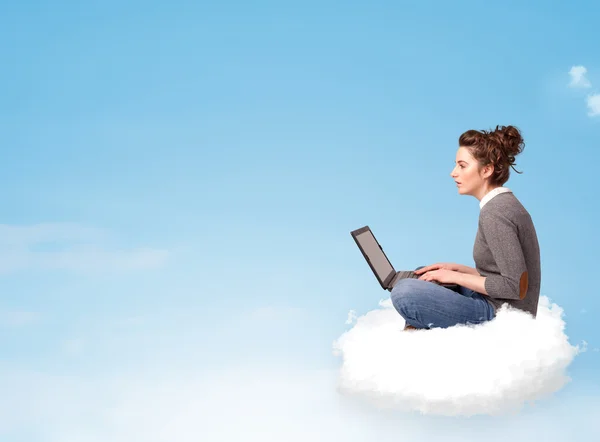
(379, 261)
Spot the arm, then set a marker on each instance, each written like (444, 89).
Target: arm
(447, 265)
(473, 282)
(457, 274)
(502, 238)
(466, 269)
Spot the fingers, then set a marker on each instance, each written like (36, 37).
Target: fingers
(430, 275)
(425, 277)
(427, 269)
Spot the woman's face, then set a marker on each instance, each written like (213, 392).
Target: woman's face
(469, 179)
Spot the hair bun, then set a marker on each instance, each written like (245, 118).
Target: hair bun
(498, 147)
(510, 140)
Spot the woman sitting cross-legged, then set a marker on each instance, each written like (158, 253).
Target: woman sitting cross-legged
(506, 250)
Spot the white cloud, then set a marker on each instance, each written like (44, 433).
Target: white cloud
(262, 404)
(63, 246)
(351, 317)
(132, 321)
(593, 104)
(579, 80)
(578, 77)
(155, 387)
(278, 313)
(17, 318)
(493, 368)
(74, 345)
(23, 235)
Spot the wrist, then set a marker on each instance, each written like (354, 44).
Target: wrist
(472, 282)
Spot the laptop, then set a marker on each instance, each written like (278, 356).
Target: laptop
(380, 264)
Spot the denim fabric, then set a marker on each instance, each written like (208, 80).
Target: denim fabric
(424, 304)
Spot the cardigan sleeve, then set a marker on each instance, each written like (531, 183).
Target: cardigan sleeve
(501, 235)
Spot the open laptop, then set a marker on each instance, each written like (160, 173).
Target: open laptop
(380, 264)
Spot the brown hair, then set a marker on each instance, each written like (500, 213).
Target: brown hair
(498, 148)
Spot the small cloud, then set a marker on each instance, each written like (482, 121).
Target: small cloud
(64, 246)
(42, 233)
(493, 368)
(17, 318)
(593, 104)
(132, 321)
(351, 317)
(97, 258)
(74, 346)
(275, 312)
(579, 80)
(578, 77)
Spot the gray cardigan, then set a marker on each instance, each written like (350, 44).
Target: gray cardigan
(507, 253)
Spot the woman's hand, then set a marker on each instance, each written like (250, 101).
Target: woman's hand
(441, 275)
(436, 266)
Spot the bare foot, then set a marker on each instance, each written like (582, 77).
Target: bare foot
(409, 327)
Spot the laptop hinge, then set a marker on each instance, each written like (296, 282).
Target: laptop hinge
(391, 284)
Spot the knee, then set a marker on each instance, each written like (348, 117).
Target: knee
(407, 286)
(404, 294)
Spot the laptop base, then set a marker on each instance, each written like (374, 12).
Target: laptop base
(412, 275)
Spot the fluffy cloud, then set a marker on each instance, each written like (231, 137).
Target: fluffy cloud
(63, 246)
(579, 80)
(578, 77)
(164, 384)
(593, 104)
(351, 317)
(19, 235)
(17, 318)
(276, 313)
(263, 404)
(493, 368)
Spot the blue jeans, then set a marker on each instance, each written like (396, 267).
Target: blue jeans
(424, 304)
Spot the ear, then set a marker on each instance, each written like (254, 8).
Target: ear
(487, 171)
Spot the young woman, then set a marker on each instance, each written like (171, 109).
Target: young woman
(506, 250)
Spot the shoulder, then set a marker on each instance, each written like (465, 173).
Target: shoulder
(505, 207)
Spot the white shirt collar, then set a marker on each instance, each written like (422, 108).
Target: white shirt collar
(491, 194)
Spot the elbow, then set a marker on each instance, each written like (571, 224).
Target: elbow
(501, 287)
(523, 285)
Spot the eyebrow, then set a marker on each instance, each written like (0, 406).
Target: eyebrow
(461, 161)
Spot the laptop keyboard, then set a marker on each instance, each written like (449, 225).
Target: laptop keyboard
(407, 274)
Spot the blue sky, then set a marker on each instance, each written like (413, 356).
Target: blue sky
(180, 179)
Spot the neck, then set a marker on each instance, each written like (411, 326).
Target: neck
(484, 191)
